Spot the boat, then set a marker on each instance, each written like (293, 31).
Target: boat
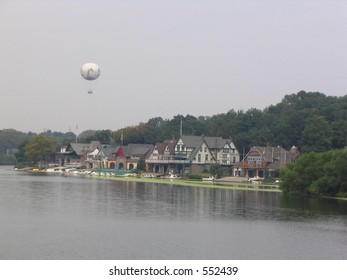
(173, 176)
(255, 179)
(149, 176)
(209, 179)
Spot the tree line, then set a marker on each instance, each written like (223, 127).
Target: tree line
(310, 120)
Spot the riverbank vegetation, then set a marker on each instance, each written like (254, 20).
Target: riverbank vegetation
(315, 173)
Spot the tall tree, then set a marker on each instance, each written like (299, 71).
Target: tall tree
(40, 149)
(316, 136)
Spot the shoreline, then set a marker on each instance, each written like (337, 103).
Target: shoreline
(233, 183)
(201, 184)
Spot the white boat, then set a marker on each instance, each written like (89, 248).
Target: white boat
(171, 176)
(209, 179)
(255, 179)
(149, 176)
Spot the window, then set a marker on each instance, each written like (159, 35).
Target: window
(199, 158)
(205, 150)
(206, 157)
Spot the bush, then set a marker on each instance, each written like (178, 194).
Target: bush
(316, 173)
(195, 177)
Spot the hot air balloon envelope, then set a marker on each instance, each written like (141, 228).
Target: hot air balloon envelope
(90, 71)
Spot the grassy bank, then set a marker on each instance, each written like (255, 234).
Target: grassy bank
(193, 183)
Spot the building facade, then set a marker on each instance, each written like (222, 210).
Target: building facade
(261, 160)
(192, 154)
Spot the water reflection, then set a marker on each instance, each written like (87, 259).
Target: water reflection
(179, 202)
(54, 217)
(144, 200)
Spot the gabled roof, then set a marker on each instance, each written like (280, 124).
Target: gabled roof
(271, 154)
(108, 150)
(160, 147)
(170, 145)
(216, 142)
(211, 142)
(94, 153)
(82, 148)
(138, 150)
(78, 148)
(193, 153)
(275, 157)
(192, 141)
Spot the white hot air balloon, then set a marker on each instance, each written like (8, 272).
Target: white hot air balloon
(90, 72)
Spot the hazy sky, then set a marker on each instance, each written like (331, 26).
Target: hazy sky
(163, 58)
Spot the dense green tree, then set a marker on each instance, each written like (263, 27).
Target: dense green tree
(317, 173)
(339, 133)
(155, 122)
(215, 125)
(130, 134)
(84, 136)
(290, 115)
(141, 165)
(40, 149)
(316, 136)
(20, 154)
(103, 136)
(10, 140)
(60, 138)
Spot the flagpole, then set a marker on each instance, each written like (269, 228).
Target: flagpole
(181, 128)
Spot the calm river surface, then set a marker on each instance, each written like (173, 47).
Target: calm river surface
(56, 217)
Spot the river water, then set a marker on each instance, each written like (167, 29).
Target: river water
(56, 217)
